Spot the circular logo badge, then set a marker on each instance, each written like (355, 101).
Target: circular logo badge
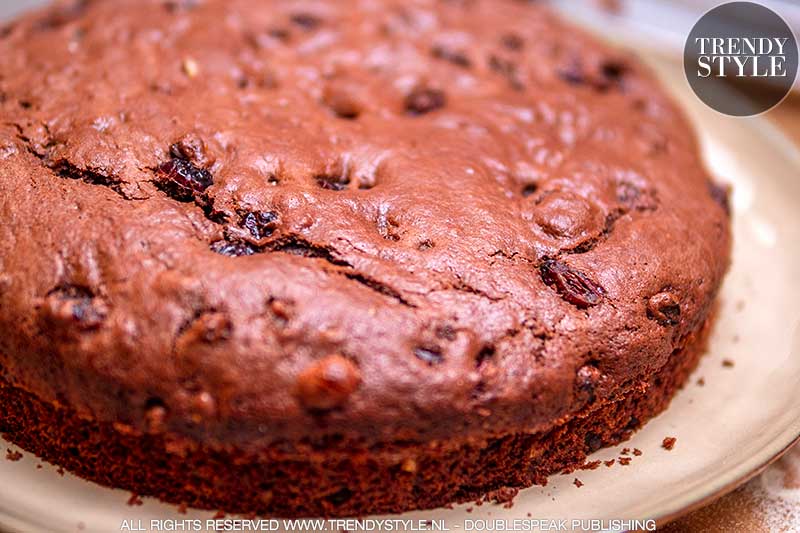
(741, 59)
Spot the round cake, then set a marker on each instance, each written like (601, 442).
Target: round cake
(336, 258)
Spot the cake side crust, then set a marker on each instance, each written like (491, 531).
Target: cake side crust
(389, 478)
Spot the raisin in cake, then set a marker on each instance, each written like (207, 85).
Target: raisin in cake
(339, 257)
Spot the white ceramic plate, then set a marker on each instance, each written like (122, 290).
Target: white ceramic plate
(727, 430)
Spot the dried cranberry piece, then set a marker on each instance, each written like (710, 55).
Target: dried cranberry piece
(423, 100)
(174, 6)
(260, 224)
(572, 74)
(612, 72)
(455, 57)
(307, 21)
(281, 34)
(721, 195)
(507, 69)
(233, 249)
(432, 356)
(446, 332)
(573, 286)
(182, 180)
(512, 41)
(628, 193)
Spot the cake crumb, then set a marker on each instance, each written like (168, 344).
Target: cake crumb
(701, 382)
(591, 465)
(504, 495)
(219, 515)
(668, 443)
(727, 363)
(469, 509)
(13, 455)
(625, 461)
(578, 483)
(625, 451)
(182, 508)
(135, 500)
(61, 471)
(637, 452)
(39, 467)
(610, 462)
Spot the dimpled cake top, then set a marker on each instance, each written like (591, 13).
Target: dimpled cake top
(374, 220)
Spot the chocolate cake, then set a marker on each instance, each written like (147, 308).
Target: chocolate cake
(339, 257)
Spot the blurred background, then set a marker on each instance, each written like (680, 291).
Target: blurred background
(12, 7)
(669, 21)
(662, 24)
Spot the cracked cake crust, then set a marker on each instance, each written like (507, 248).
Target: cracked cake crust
(358, 222)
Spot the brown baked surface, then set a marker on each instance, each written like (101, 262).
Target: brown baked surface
(283, 224)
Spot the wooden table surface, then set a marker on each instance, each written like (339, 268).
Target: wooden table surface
(771, 501)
